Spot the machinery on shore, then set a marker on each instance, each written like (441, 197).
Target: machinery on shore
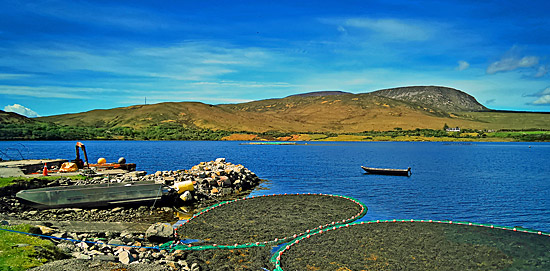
(101, 164)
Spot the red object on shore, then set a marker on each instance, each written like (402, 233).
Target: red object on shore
(45, 170)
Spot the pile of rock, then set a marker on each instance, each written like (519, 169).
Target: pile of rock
(124, 247)
(211, 179)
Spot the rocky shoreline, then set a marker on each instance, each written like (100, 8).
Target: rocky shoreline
(213, 181)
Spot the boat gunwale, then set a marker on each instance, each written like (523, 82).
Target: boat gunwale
(387, 171)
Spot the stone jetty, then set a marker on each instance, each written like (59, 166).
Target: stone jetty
(212, 181)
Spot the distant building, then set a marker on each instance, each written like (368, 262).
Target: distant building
(456, 129)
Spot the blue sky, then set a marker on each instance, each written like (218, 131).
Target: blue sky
(61, 57)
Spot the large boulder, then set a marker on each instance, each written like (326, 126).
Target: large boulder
(160, 233)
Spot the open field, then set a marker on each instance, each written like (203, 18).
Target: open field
(498, 120)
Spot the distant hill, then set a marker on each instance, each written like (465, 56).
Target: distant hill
(13, 118)
(328, 111)
(408, 108)
(442, 98)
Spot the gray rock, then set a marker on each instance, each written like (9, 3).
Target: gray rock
(105, 258)
(83, 245)
(60, 235)
(159, 232)
(80, 256)
(115, 242)
(66, 247)
(125, 257)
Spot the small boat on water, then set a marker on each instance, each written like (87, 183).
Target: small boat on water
(388, 171)
(97, 195)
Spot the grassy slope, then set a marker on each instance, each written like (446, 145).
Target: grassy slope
(509, 120)
(21, 252)
(335, 113)
(341, 113)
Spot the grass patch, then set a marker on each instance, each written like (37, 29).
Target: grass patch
(11, 180)
(510, 120)
(21, 252)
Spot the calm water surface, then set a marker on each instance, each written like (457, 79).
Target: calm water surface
(502, 183)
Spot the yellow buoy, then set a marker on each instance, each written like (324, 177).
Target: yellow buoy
(101, 161)
(183, 186)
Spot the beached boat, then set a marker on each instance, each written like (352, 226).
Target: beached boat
(97, 195)
(388, 171)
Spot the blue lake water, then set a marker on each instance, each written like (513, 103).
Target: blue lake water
(502, 183)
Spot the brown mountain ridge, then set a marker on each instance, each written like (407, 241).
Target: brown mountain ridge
(407, 108)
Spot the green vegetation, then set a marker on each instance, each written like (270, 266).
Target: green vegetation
(11, 180)
(528, 136)
(502, 120)
(50, 131)
(21, 252)
(399, 134)
(174, 131)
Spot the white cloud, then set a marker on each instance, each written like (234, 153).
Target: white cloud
(542, 71)
(543, 97)
(194, 61)
(393, 29)
(462, 65)
(21, 110)
(512, 61)
(543, 100)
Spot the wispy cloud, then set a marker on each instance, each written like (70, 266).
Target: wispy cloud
(94, 13)
(542, 71)
(194, 61)
(245, 84)
(543, 100)
(21, 110)
(4, 76)
(543, 97)
(391, 28)
(512, 61)
(53, 91)
(462, 65)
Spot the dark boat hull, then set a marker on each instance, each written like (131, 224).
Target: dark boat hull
(388, 171)
(99, 195)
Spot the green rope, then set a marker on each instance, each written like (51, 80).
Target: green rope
(171, 246)
(276, 258)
